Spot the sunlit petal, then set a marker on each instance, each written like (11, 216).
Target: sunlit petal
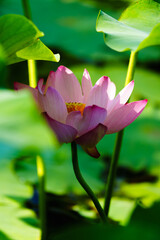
(123, 116)
(98, 95)
(86, 84)
(67, 85)
(121, 98)
(53, 104)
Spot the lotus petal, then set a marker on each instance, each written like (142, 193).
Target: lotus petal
(64, 132)
(67, 85)
(92, 116)
(91, 138)
(123, 116)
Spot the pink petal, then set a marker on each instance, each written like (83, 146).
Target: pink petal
(40, 86)
(93, 152)
(64, 133)
(91, 138)
(121, 98)
(67, 85)
(50, 81)
(53, 104)
(111, 90)
(98, 95)
(86, 84)
(92, 116)
(19, 86)
(123, 116)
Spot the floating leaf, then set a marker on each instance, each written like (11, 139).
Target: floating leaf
(20, 34)
(146, 193)
(121, 209)
(16, 223)
(137, 28)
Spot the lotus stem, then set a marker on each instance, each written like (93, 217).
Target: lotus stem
(112, 171)
(131, 68)
(118, 143)
(26, 9)
(42, 196)
(83, 182)
(32, 72)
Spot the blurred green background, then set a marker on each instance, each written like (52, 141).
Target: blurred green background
(69, 28)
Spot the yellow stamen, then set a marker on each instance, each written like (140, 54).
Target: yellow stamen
(75, 106)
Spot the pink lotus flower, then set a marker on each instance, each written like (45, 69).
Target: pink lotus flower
(86, 114)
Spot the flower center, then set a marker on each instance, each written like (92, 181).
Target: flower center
(75, 106)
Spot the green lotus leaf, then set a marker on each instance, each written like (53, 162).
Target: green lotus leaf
(2, 66)
(16, 223)
(19, 38)
(35, 51)
(23, 130)
(137, 28)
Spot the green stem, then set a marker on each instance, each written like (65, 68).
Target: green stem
(32, 72)
(26, 9)
(118, 142)
(42, 197)
(112, 171)
(83, 183)
(131, 68)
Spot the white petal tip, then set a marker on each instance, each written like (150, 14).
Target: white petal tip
(65, 69)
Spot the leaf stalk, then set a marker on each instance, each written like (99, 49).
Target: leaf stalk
(32, 72)
(118, 142)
